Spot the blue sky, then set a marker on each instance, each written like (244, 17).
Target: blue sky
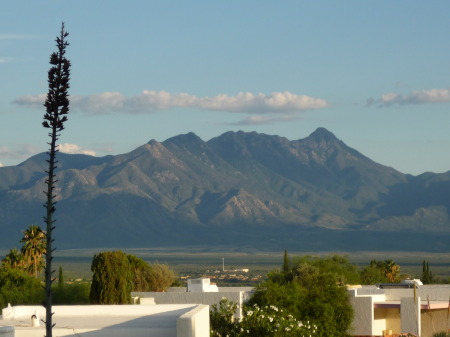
(375, 73)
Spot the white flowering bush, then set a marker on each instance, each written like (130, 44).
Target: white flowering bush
(267, 321)
(222, 320)
(272, 321)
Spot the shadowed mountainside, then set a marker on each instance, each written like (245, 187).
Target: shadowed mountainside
(237, 190)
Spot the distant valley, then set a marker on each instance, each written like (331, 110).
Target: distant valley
(239, 190)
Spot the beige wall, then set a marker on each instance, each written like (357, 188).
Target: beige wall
(391, 317)
(434, 322)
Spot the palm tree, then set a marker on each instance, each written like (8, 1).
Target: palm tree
(14, 259)
(33, 248)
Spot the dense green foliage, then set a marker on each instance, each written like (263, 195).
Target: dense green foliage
(427, 276)
(338, 265)
(116, 274)
(19, 288)
(309, 294)
(161, 277)
(146, 277)
(71, 294)
(141, 272)
(30, 257)
(33, 249)
(307, 298)
(111, 279)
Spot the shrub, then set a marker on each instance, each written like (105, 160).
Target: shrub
(257, 321)
(19, 288)
(71, 294)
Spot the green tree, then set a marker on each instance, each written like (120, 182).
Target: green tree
(141, 272)
(389, 268)
(373, 275)
(14, 259)
(161, 277)
(427, 277)
(111, 279)
(71, 294)
(312, 295)
(57, 108)
(60, 278)
(19, 288)
(33, 249)
(339, 265)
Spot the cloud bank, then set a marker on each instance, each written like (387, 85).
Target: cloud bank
(75, 149)
(150, 101)
(416, 97)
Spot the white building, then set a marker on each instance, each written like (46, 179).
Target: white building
(173, 320)
(422, 310)
(199, 291)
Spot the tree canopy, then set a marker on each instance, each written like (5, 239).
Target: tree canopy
(311, 290)
(116, 274)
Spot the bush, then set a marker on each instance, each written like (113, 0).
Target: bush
(19, 288)
(309, 294)
(221, 319)
(71, 294)
(161, 277)
(267, 321)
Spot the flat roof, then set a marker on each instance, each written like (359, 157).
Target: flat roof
(424, 305)
(102, 320)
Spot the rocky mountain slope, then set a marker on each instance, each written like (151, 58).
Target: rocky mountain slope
(237, 190)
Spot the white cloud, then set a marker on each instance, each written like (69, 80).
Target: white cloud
(31, 101)
(151, 101)
(6, 59)
(416, 97)
(1, 164)
(75, 149)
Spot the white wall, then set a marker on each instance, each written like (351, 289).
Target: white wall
(410, 315)
(364, 322)
(196, 298)
(194, 323)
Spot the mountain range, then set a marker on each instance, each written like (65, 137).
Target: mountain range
(241, 190)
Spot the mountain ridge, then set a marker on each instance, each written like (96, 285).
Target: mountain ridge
(236, 188)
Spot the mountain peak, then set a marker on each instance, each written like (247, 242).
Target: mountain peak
(322, 134)
(188, 138)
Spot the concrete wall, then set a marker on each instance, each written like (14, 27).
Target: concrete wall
(410, 315)
(197, 298)
(365, 322)
(6, 331)
(194, 323)
(433, 292)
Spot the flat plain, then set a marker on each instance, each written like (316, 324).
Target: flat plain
(198, 261)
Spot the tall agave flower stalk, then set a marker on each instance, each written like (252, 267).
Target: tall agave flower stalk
(57, 108)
